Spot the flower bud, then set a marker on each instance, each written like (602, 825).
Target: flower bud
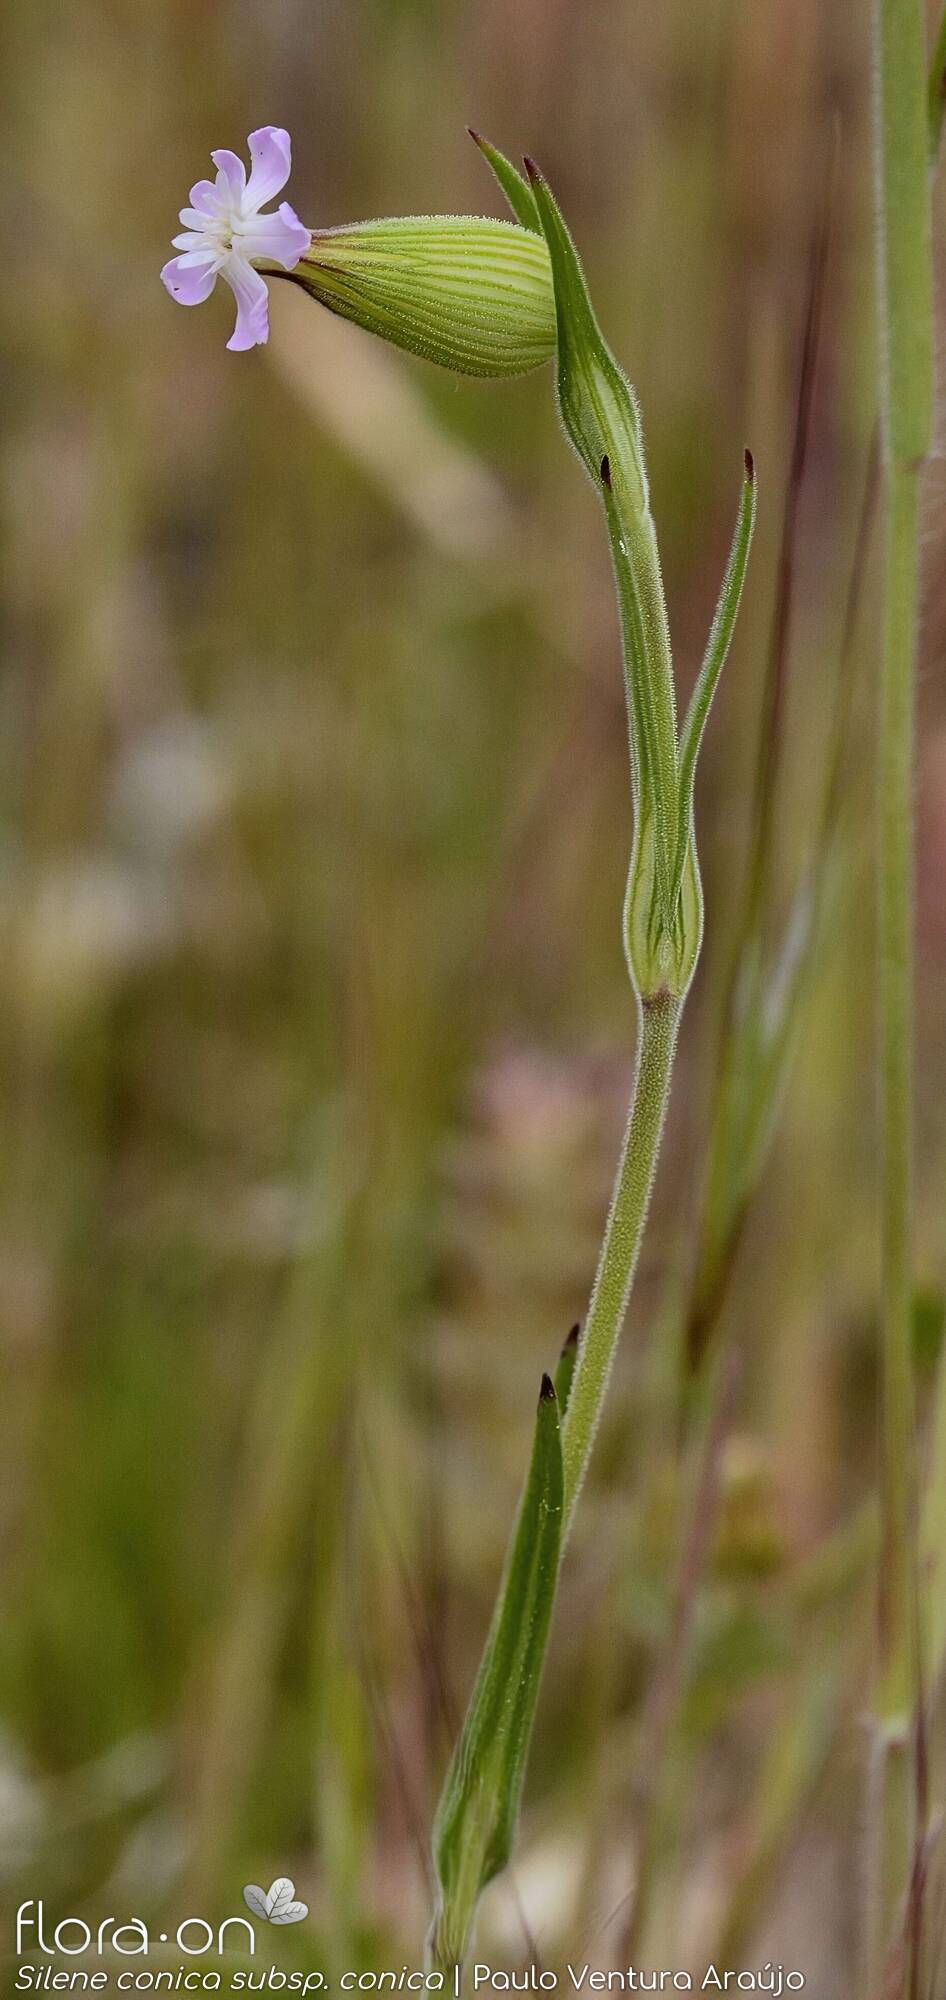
(472, 294)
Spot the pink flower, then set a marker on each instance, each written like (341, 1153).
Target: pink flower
(225, 235)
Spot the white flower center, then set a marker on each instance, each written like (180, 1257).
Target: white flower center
(222, 233)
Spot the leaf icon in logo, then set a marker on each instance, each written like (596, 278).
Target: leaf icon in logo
(279, 1905)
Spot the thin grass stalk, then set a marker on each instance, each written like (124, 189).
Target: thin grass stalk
(658, 1733)
(905, 313)
(720, 1224)
(896, 1053)
(782, 992)
(933, 1538)
(796, 1758)
(936, 92)
(297, 1402)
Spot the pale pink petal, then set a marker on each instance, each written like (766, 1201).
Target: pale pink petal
(271, 155)
(194, 218)
(276, 239)
(249, 290)
(231, 176)
(191, 239)
(205, 198)
(191, 279)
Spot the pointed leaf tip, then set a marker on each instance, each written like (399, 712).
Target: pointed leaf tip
(606, 472)
(531, 168)
(516, 190)
(750, 463)
(547, 1391)
(565, 1372)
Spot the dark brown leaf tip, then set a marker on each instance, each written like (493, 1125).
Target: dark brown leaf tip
(606, 472)
(750, 463)
(571, 1341)
(547, 1391)
(477, 137)
(531, 168)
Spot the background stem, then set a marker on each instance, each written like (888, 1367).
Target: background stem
(890, 1814)
(905, 312)
(660, 1019)
(896, 1053)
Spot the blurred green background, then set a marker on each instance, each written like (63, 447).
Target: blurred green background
(316, 1032)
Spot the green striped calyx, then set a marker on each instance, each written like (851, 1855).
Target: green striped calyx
(465, 291)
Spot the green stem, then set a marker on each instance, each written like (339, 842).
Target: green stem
(660, 1019)
(890, 1814)
(896, 1054)
(936, 91)
(904, 132)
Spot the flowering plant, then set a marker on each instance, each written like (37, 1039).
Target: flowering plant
(495, 298)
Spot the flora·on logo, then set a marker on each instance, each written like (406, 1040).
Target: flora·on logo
(73, 1938)
(278, 1905)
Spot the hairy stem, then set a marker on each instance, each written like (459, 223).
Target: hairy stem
(660, 1019)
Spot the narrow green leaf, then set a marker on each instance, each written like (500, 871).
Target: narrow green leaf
(476, 1819)
(714, 660)
(566, 1369)
(516, 190)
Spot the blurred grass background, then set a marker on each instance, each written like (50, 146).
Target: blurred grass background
(316, 1032)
